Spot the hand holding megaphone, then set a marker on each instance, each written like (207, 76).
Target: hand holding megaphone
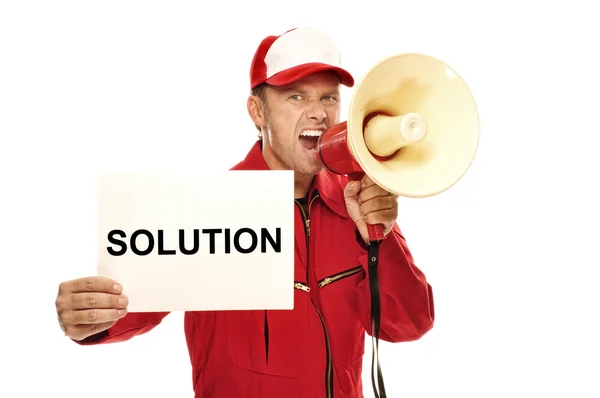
(412, 128)
(371, 207)
(375, 209)
(412, 131)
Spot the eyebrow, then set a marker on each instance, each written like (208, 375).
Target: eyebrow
(293, 87)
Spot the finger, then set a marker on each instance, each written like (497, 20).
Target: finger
(385, 217)
(79, 301)
(367, 182)
(379, 203)
(80, 332)
(93, 316)
(91, 284)
(351, 189)
(372, 192)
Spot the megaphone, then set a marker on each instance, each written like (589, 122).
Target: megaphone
(413, 128)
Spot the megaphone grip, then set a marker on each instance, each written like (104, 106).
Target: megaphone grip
(375, 232)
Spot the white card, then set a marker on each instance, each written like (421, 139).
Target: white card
(250, 264)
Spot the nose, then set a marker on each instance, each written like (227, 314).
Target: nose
(316, 111)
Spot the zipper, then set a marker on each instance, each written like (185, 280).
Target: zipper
(329, 366)
(341, 275)
(266, 338)
(297, 285)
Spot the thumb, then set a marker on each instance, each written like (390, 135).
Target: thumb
(352, 189)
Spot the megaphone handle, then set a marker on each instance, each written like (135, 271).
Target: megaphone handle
(375, 232)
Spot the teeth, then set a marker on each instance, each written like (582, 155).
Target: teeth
(311, 133)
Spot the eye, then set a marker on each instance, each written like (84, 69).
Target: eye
(330, 99)
(296, 97)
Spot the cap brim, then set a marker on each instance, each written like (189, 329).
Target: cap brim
(291, 75)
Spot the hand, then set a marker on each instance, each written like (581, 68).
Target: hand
(367, 202)
(90, 305)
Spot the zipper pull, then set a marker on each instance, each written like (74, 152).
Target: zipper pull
(325, 281)
(307, 222)
(300, 286)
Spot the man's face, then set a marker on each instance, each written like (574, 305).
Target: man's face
(296, 115)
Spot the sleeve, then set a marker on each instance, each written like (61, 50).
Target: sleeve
(406, 298)
(133, 324)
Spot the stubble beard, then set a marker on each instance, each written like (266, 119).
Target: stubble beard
(300, 163)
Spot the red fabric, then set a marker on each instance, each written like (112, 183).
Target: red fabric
(228, 349)
(297, 72)
(258, 69)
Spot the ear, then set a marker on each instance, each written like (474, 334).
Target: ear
(255, 111)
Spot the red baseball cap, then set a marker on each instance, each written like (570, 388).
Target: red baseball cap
(299, 52)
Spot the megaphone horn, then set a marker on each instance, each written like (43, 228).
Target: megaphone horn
(413, 128)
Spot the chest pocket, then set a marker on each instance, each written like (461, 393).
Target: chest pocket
(270, 342)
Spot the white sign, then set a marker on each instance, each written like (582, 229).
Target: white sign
(194, 242)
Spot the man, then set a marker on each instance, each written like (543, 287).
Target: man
(316, 349)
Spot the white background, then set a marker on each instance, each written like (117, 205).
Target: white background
(123, 85)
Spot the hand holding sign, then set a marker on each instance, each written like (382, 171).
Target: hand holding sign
(87, 306)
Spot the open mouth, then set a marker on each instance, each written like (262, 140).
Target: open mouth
(309, 138)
